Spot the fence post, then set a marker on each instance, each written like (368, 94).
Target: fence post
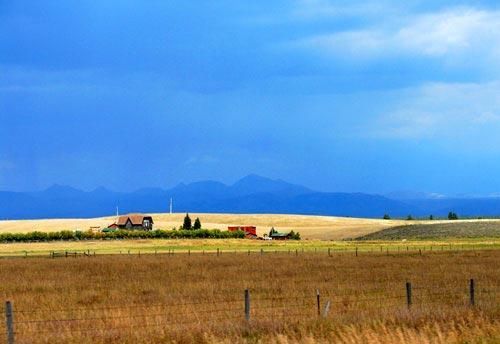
(296, 252)
(318, 302)
(261, 251)
(471, 291)
(408, 294)
(329, 255)
(217, 252)
(356, 251)
(326, 309)
(189, 252)
(247, 305)
(9, 322)
(248, 252)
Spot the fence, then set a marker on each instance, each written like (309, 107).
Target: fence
(110, 321)
(330, 251)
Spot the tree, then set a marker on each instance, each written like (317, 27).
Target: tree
(431, 217)
(386, 217)
(197, 223)
(272, 231)
(452, 216)
(187, 222)
(409, 218)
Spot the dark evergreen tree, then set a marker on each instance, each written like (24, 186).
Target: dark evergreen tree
(409, 218)
(187, 222)
(272, 231)
(387, 217)
(197, 223)
(431, 217)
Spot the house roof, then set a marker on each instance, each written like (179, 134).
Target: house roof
(279, 234)
(136, 219)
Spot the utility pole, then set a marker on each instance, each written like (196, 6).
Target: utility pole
(171, 205)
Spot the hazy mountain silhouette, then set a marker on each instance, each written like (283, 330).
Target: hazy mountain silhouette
(251, 194)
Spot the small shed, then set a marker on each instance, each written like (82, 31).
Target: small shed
(250, 231)
(280, 236)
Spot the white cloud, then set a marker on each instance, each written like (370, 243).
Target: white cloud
(442, 110)
(438, 34)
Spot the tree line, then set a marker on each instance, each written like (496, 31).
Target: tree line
(120, 234)
(451, 216)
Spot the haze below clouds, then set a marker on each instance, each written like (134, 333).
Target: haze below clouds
(369, 96)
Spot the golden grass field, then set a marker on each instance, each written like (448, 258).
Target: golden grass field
(310, 227)
(200, 298)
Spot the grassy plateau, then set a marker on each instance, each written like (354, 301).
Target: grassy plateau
(200, 298)
(192, 290)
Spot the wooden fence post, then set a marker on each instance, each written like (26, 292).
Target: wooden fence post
(218, 252)
(408, 294)
(318, 302)
(356, 251)
(248, 252)
(296, 252)
(247, 305)
(471, 292)
(329, 255)
(261, 251)
(9, 322)
(326, 309)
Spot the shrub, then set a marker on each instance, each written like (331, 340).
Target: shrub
(121, 234)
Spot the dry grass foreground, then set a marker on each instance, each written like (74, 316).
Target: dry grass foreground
(199, 298)
(310, 227)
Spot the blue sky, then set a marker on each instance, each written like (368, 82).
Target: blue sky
(369, 96)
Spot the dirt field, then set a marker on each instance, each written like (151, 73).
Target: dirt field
(310, 227)
(200, 298)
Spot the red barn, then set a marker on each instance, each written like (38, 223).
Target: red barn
(250, 231)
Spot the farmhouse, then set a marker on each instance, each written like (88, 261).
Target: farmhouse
(281, 236)
(250, 231)
(134, 221)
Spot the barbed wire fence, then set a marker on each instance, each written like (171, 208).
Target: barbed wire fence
(24, 324)
(350, 249)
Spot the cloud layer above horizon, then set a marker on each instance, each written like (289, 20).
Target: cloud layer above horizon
(369, 96)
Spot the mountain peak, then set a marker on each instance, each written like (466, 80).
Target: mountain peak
(254, 183)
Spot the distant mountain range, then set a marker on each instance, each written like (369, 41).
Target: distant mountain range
(251, 194)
